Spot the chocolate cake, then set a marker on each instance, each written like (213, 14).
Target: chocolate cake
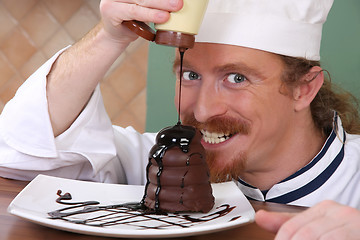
(177, 173)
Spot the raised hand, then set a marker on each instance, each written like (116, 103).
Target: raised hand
(115, 12)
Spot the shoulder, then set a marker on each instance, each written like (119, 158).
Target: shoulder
(352, 143)
(352, 150)
(131, 136)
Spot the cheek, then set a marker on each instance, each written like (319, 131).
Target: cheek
(280, 104)
(262, 108)
(270, 101)
(273, 114)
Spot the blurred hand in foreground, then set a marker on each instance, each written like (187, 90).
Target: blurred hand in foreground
(326, 220)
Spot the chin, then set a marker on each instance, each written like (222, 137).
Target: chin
(225, 169)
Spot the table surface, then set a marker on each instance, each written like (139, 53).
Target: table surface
(15, 228)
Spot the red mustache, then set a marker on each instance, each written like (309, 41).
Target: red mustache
(219, 124)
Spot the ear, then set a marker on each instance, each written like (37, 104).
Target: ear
(310, 85)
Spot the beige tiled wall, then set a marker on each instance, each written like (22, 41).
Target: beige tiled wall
(31, 31)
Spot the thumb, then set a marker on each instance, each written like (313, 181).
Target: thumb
(272, 221)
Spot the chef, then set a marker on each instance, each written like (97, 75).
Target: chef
(252, 84)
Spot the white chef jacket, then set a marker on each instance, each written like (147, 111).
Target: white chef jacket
(93, 149)
(334, 173)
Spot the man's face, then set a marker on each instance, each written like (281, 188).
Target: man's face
(233, 95)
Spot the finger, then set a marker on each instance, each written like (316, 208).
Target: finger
(316, 228)
(272, 221)
(169, 5)
(351, 230)
(118, 12)
(144, 14)
(302, 222)
(156, 11)
(348, 224)
(125, 11)
(338, 234)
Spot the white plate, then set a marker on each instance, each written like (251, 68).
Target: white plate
(39, 197)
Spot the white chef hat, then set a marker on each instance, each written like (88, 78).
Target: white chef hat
(287, 27)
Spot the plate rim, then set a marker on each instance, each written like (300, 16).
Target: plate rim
(25, 214)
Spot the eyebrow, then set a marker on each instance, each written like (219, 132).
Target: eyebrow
(229, 67)
(239, 67)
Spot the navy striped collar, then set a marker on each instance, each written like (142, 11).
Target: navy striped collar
(310, 177)
(317, 158)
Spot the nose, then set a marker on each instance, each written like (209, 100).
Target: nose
(210, 102)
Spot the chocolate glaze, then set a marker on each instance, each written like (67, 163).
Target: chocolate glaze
(177, 173)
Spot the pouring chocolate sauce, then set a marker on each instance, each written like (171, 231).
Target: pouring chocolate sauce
(179, 31)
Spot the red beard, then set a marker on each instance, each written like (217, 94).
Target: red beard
(222, 170)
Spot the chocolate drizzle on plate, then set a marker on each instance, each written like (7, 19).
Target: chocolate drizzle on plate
(91, 213)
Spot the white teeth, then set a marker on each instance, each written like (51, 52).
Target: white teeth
(214, 138)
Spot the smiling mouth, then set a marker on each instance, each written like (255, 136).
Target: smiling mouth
(215, 138)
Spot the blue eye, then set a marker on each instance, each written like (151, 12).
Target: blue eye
(190, 75)
(236, 78)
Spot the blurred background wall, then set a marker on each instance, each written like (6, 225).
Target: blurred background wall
(31, 31)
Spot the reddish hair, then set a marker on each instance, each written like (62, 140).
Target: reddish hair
(330, 97)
